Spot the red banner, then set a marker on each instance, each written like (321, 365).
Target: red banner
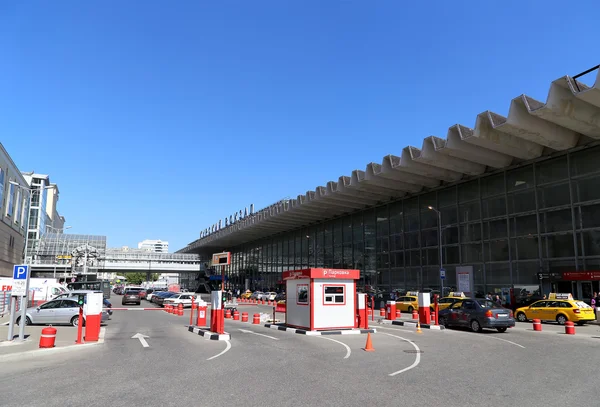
(581, 275)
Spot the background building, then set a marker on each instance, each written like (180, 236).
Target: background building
(517, 197)
(155, 246)
(13, 214)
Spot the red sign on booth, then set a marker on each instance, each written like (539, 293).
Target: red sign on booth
(342, 274)
(581, 275)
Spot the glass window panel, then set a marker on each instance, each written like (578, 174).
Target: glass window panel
(357, 227)
(449, 215)
(450, 235)
(585, 161)
(306, 247)
(554, 195)
(347, 229)
(552, 170)
(328, 234)
(432, 256)
(559, 246)
(413, 278)
(470, 232)
(525, 273)
(527, 248)
(525, 225)
(397, 259)
(369, 220)
(498, 275)
(383, 224)
(591, 242)
(451, 255)
(494, 207)
(411, 240)
(337, 232)
(498, 250)
(413, 257)
(556, 221)
(521, 178)
(497, 229)
(469, 212)
(396, 218)
(298, 248)
(397, 279)
(429, 219)
(383, 264)
(586, 189)
(468, 191)
(347, 256)
(447, 197)
(492, 185)
(521, 202)
(429, 237)
(396, 242)
(319, 246)
(590, 215)
(337, 257)
(411, 222)
(383, 245)
(358, 255)
(472, 253)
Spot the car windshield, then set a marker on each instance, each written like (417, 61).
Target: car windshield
(487, 304)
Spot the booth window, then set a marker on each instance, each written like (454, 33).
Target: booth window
(334, 295)
(302, 297)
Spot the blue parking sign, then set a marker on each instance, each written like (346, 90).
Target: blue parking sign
(20, 272)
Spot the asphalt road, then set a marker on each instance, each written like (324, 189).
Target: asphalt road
(266, 366)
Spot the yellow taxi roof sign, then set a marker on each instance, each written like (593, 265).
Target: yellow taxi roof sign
(560, 296)
(413, 293)
(457, 294)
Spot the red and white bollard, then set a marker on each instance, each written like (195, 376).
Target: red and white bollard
(217, 315)
(390, 310)
(415, 315)
(236, 315)
(180, 310)
(227, 314)
(244, 317)
(48, 337)
(201, 318)
(256, 319)
(569, 328)
(382, 312)
(398, 313)
(537, 325)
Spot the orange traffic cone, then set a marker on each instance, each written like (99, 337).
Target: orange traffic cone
(419, 327)
(369, 346)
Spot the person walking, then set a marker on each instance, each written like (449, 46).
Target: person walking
(595, 304)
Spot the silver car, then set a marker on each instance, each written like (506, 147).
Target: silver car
(61, 311)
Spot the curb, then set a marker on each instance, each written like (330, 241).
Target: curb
(45, 351)
(318, 333)
(410, 324)
(206, 334)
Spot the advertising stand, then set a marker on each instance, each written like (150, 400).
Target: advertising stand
(321, 299)
(424, 311)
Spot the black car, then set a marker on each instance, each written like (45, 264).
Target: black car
(477, 314)
(132, 296)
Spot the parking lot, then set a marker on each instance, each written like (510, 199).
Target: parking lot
(450, 367)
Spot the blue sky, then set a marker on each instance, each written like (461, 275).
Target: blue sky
(158, 118)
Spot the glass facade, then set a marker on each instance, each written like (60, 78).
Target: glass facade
(542, 217)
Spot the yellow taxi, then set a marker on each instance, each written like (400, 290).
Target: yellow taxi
(409, 302)
(445, 302)
(246, 295)
(558, 307)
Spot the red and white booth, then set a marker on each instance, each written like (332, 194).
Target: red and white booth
(321, 299)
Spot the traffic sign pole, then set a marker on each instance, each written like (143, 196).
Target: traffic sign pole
(24, 304)
(11, 323)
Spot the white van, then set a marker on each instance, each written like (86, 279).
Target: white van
(40, 289)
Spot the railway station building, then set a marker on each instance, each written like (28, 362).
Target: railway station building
(517, 199)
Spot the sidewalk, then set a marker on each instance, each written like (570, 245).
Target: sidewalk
(65, 340)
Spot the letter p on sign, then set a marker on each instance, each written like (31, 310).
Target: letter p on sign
(20, 272)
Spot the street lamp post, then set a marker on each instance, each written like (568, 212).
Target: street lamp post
(439, 214)
(25, 299)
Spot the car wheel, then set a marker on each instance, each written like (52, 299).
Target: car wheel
(521, 317)
(501, 329)
(75, 321)
(475, 326)
(410, 309)
(444, 321)
(139, 303)
(27, 321)
(561, 319)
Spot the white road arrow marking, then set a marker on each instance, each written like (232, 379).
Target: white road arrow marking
(142, 339)
(256, 333)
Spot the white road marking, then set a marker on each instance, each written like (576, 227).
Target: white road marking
(256, 333)
(396, 329)
(142, 339)
(505, 340)
(226, 349)
(348, 351)
(417, 358)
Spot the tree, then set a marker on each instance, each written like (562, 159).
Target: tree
(138, 278)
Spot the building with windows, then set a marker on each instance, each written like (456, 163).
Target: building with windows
(517, 199)
(155, 246)
(13, 213)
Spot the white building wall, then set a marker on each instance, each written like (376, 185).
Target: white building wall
(155, 246)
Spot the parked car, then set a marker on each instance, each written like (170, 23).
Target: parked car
(180, 298)
(269, 296)
(132, 296)
(160, 297)
(62, 311)
(477, 314)
(256, 295)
